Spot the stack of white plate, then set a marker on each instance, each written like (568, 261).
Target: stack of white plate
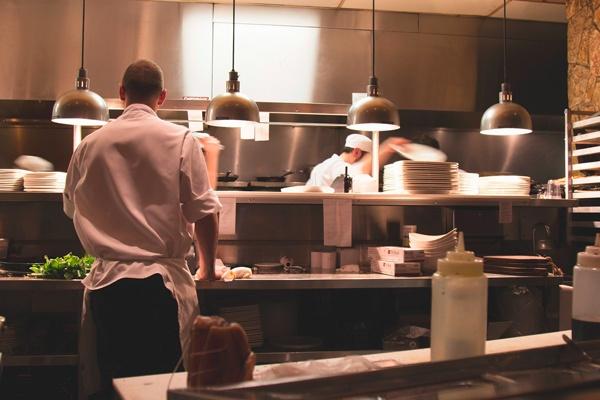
(53, 182)
(434, 246)
(504, 185)
(421, 177)
(249, 318)
(468, 183)
(11, 180)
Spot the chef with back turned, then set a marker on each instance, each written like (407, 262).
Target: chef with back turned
(356, 156)
(138, 192)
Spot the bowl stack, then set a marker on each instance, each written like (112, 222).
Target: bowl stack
(421, 177)
(435, 247)
(52, 182)
(11, 180)
(504, 185)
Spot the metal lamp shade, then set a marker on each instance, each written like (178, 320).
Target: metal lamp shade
(232, 110)
(373, 114)
(506, 119)
(80, 107)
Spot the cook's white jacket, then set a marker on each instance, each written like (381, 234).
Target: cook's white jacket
(134, 188)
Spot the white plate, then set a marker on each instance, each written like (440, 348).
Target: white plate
(420, 152)
(308, 189)
(33, 163)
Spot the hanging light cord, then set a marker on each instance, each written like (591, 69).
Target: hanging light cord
(373, 40)
(505, 52)
(233, 42)
(82, 34)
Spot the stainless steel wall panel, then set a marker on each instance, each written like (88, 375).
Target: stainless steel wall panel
(289, 148)
(317, 18)
(39, 46)
(283, 54)
(176, 36)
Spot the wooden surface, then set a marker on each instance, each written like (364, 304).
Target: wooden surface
(154, 387)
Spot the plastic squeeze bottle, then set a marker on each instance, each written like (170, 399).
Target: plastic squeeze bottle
(586, 302)
(458, 306)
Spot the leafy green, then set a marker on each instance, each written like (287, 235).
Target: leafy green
(67, 267)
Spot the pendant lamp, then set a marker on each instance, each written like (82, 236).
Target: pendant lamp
(80, 106)
(506, 118)
(232, 109)
(373, 113)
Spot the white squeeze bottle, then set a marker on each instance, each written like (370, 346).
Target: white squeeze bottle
(586, 301)
(458, 306)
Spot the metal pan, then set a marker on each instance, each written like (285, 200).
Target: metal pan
(280, 178)
(227, 177)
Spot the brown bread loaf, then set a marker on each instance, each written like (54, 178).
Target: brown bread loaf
(219, 353)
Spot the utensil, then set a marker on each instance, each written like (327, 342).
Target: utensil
(420, 152)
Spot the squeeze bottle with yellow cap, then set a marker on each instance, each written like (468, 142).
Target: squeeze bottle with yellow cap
(586, 301)
(458, 306)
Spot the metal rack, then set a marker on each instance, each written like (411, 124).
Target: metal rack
(582, 157)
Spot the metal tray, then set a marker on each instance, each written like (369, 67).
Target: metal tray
(555, 372)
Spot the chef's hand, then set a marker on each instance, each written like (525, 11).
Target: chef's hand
(203, 274)
(388, 144)
(210, 145)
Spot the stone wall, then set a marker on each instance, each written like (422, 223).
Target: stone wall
(583, 54)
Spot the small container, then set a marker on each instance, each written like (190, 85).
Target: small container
(328, 262)
(315, 262)
(3, 249)
(586, 302)
(459, 306)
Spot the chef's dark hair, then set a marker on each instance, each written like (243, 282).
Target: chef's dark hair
(143, 81)
(347, 149)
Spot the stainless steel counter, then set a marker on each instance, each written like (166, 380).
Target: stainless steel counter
(295, 282)
(245, 197)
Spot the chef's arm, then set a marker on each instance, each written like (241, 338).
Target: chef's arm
(211, 148)
(385, 153)
(207, 230)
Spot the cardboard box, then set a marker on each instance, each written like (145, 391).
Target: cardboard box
(396, 269)
(396, 254)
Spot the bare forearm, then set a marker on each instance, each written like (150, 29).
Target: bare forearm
(207, 230)
(212, 167)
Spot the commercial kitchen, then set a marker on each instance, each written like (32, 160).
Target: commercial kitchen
(461, 261)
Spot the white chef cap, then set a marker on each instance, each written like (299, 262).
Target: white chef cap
(357, 141)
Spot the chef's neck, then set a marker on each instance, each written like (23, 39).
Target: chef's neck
(153, 106)
(348, 158)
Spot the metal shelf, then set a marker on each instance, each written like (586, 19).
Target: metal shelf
(587, 138)
(588, 166)
(251, 197)
(586, 194)
(586, 180)
(588, 123)
(44, 360)
(587, 151)
(586, 210)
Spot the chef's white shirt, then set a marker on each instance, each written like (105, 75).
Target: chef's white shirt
(134, 189)
(324, 174)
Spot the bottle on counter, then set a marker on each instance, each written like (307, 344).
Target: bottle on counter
(347, 181)
(586, 302)
(459, 291)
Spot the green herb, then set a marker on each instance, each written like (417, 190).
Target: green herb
(67, 267)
